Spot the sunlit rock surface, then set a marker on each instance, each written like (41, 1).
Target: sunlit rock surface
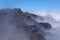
(18, 25)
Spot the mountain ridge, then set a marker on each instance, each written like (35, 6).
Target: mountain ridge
(25, 21)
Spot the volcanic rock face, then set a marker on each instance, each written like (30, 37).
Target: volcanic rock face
(18, 25)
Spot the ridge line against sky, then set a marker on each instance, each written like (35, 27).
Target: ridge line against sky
(39, 7)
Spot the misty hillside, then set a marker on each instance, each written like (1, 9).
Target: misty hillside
(18, 25)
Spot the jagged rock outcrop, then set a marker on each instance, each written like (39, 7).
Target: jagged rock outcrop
(25, 21)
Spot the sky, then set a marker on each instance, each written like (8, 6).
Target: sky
(31, 4)
(39, 7)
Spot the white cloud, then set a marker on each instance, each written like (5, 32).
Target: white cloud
(55, 14)
(40, 12)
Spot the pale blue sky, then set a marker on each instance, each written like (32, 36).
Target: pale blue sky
(31, 4)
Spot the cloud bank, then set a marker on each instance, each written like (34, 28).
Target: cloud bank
(55, 14)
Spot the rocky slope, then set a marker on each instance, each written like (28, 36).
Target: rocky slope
(18, 25)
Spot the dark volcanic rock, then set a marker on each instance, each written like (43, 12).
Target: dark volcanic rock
(26, 22)
(46, 25)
